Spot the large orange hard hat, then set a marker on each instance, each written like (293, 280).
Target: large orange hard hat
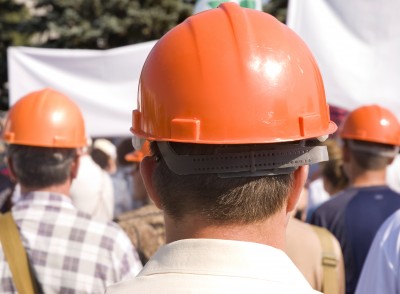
(138, 155)
(45, 118)
(371, 123)
(231, 75)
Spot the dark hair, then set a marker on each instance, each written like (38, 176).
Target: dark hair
(41, 167)
(101, 158)
(218, 200)
(123, 149)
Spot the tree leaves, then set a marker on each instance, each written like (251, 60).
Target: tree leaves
(83, 23)
(92, 24)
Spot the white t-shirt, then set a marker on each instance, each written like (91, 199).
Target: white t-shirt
(316, 196)
(92, 190)
(393, 174)
(217, 266)
(380, 272)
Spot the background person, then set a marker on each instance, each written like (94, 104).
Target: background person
(69, 251)
(104, 153)
(92, 189)
(380, 271)
(371, 136)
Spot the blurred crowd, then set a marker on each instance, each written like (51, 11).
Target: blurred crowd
(93, 212)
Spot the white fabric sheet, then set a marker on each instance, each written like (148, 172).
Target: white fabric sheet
(356, 44)
(104, 83)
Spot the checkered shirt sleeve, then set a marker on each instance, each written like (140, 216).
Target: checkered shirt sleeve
(70, 251)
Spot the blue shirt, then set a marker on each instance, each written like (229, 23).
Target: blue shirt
(354, 216)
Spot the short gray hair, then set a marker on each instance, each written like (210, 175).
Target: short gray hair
(41, 167)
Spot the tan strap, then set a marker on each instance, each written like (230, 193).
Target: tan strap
(15, 255)
(330, 262)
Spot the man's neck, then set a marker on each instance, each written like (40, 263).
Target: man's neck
(59, 189)
(368, 178)
(268, 232)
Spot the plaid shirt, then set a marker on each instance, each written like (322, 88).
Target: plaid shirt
(69, 250)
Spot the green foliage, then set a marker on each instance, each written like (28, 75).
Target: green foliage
(103, 24)
(92, 24)
(89, 24)
(11, 15)
(277, 8)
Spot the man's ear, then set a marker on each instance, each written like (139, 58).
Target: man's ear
(10, 166)
(300, 177)
(147, 167)
(75, 166)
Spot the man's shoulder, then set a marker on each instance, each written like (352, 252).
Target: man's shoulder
(214, 265)
(108, 231)
(109, 228)
(64, 216)
(391, 193)
(340, 200)
(376, 196)
(112, 245)
(333, 204)
(330, 213)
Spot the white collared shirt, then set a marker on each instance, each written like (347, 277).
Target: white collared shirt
(92, 190)
(217, 266)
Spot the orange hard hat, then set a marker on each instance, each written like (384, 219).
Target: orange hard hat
(45, 118)
(231, 75)
(371, 123)
(138, 155)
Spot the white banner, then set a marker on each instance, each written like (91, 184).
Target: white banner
(103, 83)
(357, 46)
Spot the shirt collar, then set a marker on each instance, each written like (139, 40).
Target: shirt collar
(220, 257)
(45, 198)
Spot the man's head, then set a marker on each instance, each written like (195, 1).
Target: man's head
(44, 130)
(240, 200)
(233, 102)
(371, 136)
(38, 167)
(104, 153)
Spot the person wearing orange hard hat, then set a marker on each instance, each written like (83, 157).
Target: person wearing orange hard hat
(371, 140)
(144, 225)
(68, 250)
(233, 103)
